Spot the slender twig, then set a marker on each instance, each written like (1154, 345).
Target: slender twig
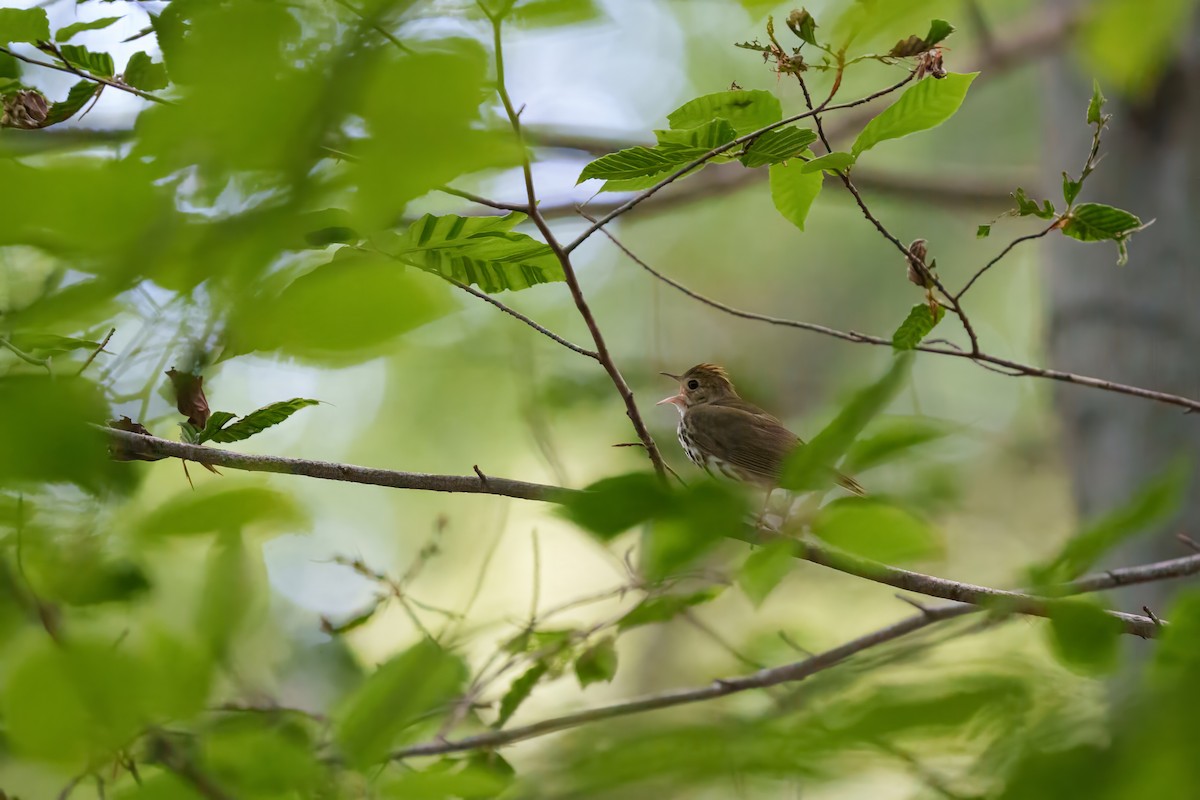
(563, 255)
(512, 312)
(375, 26)
(788, 673)
(70, 69)
(483, 201)
(981, 358)
(99, 349)
(173, 760)
(26, 357)
(1028, 238)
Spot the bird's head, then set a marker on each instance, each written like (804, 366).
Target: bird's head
(703, 383)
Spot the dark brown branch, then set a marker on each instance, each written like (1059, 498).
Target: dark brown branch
(139, 445)
(788, 673)
(982, 359)
(563, 254)
(1003, 253)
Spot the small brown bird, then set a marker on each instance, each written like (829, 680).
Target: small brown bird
(721, 432)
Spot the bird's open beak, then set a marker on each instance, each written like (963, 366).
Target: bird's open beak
(675, 400)
(672, 377)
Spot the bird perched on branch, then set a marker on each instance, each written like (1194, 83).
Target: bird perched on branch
(722, 433)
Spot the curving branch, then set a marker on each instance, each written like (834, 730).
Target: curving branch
(788, 673)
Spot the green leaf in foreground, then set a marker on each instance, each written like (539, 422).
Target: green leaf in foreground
(255, 421)
(597, 664)
(876, 529)
(141, 72)
(401, 692)
(220, 506)
(809, 467)
(24, 25)
(1095, 222)
(519, 692)
(916, 326)
(65, 33)
(763, 570)
(794, 191)
(891, 437)
(1084, 636)
(926, 105)
(666, 607)
(830, 162)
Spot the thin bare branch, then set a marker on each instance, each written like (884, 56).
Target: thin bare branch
(512, 312)
(68, 68)
(1002, 254)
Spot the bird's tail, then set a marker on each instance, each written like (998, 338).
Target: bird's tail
(851, 485)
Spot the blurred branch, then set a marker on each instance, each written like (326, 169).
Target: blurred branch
(981, 358)
(68, 68)
(563, 254)
(788, 673)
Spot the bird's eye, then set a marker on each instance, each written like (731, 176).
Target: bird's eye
(693, 384)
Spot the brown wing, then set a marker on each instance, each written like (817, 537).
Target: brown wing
(754, 442)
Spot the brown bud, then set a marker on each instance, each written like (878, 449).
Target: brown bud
(931, 63)
(189, 397)
(25, 109)
(918, 273)
(803, 25)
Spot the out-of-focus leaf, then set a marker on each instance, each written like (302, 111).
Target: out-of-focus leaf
(664, 607)
(65, 33)
(95, 63)
(219, 506)
(470, 781)
(893, 436)
(259, 755)
(762, 571)
(44, 344)
(745, 110)
(810, 465)
(230, 595)
(983, 231)
(697, 519)
(876, 529)
(90, 581)
(1129, 44)
(939, 29)
(24, 25)
(614, 505)
(829, 162)
(483, 251)
(1084, 636)
(780, 144)
(1155, 502)
(256, 421)
(598, 663)
(916, 326)
(374, 717)
(189, 397)
(519, 692)
(554, 13)
(141, 72)
(793, 190)
(926, 105)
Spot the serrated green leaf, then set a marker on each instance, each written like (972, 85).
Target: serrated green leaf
(65, 33)
(876, 529)
(95, 63)
(80, 95)
(780, 144)
(639, 162)
(830, 162)
(803, 25)
(256, 421)
(24, 25)
(374, 718)
(763, 570)
(482, 251)
(926, 105)
(598, 663)
(793, 191)
(983, 231)
(810, 466)
(746, 110)
(1027, 207)
(1095, 222)
(1095, 111)
(1070, 189)
(890, 437)
(705, 137)
(194, 435)
(916, 326)
(141, 72)
(219, 506)
(519, 692)
(1084, 636)
(662, 608)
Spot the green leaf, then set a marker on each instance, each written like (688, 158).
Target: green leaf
(519, 692)
(923, 106)
(256, 421)
(1152, 504)
(916, 326)
(97, 580)
(65, 33)
(143, 73)
(1070, 189)
(24, 25)
(80, 95)
(612, 506)
(810, 465)
(793, 190)
(1131, 45)
(705, 137)
(261, 755)
(638, 162)
(217, 506)
(1084, 636)
(696, 520)
(983, 231)
(215, 421)
(483, 251)
(830, 162)
(745, 110)
(1027, 207)
(232, 591)
(939, 29)
(875, 529)
(598, 663)
(664, 607)
(1094, 222)
(554, 13)
(763, 570)
(95, 63)
(44, 344)
(891, 437)
(1095, 111)
(403, 690)
(803, 25)
(780, 144)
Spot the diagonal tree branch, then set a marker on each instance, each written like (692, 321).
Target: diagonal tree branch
(788, 673)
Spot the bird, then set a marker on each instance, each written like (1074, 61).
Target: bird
(722, 433)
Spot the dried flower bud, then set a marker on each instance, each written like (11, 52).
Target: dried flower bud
(917, 271)
(25, 109)
(803, 25)
(189, 397)
(931, 63)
